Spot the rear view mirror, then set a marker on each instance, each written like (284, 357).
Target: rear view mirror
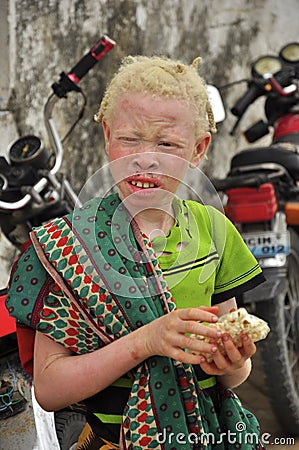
(216, 103)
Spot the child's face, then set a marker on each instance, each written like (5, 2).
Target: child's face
(150, 143)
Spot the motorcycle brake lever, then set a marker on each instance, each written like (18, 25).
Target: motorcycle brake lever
(284, 91)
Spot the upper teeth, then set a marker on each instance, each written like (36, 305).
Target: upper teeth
(139, 184)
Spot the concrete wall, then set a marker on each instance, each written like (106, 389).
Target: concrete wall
(40, 38)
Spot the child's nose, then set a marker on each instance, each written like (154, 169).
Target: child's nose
(146, 160)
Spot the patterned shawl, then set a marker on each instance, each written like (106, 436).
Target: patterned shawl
(107, 284)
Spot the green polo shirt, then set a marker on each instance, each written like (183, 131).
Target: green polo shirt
(204, 258)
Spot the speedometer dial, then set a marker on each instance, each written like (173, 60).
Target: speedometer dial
(29, 150)
(266, 64)
(25, 148)
(290, 52)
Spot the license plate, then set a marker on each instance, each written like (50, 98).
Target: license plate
(267, 244)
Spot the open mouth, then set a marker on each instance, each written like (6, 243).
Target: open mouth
(143, 183)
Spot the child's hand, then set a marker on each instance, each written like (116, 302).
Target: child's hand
(169, 335)
(240, 330)
(234, 358)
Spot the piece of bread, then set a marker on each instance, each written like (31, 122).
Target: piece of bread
(236, 323)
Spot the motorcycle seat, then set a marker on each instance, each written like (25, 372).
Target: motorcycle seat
(273, 154)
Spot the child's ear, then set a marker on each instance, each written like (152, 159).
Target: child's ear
(200, 149)
(106, 130)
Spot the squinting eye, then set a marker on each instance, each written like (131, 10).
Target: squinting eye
(166, 144)
(129, 140)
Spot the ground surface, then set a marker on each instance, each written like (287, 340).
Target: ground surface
(17, 432)
(254, 396)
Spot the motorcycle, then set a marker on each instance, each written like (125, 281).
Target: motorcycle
(260, 195)
(34, 191)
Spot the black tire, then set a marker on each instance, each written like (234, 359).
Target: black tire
(280, 351)
(69, 425)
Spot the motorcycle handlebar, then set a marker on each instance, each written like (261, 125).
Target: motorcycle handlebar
(252, 93)
(19, 204)
(66, 84)
(69, 82)
(103, 46)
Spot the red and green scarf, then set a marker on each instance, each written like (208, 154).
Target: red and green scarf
(96, 278)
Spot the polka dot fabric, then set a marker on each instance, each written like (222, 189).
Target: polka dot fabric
(105, 282)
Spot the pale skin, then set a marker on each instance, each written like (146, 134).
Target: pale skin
(145, 129)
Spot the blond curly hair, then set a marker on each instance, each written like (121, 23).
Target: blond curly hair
(162, 76)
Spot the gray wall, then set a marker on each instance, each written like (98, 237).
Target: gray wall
(39, 39)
